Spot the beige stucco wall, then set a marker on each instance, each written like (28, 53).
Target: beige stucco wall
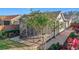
(16, 20)
(61, 20)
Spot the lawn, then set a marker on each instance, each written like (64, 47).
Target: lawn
(6, 44)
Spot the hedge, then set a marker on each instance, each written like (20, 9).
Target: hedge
(3, 33)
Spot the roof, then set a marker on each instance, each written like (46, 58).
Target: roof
(7, 17)
(8, 27)
(67, 16)
(75, 24)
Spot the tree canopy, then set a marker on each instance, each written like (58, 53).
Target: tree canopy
(39, 21)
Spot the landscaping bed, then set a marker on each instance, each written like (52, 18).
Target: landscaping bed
(7, 44)
(72, 42)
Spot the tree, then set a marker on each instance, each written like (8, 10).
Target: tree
(53, 23)
(39, 21)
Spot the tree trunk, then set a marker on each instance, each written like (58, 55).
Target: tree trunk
(54, 29)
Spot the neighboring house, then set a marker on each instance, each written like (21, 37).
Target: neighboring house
(60, 18)
(75, 19)
(67, 19)
(64, 21)
(71, 18)
(10, 24)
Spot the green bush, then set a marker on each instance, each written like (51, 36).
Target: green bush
(72, 35)
(55, 46)
(11, 31)
(4, 34)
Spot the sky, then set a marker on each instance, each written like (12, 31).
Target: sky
(15, 11)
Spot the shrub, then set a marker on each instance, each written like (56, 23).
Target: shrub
(2, 35)
(72, 35)
(56, 46)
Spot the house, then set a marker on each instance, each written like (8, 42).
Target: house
(75, 18)
(71, 17)
(68, 19)
(64, 21)
(60, 19)
(10, 24)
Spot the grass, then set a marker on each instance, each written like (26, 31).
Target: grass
(6, 44)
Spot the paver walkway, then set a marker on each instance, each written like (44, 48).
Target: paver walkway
(60, 38)
(33, 44)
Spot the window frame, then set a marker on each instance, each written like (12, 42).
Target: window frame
(7, 23)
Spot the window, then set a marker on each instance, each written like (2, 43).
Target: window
(61, 25)
(6, 22)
